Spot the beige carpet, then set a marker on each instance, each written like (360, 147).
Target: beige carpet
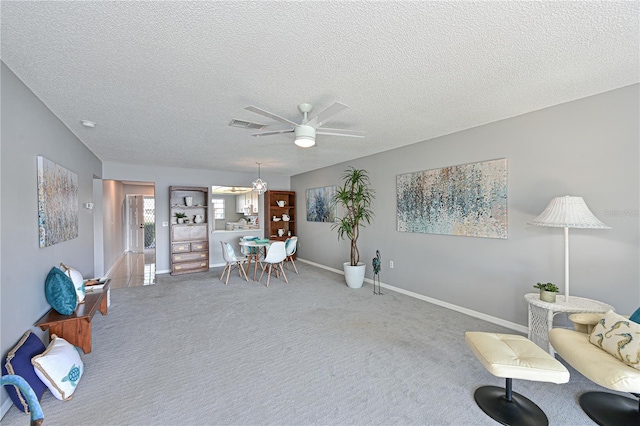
(189, 351)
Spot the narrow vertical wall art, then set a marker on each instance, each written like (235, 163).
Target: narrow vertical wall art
(468, 200)
(57, 203)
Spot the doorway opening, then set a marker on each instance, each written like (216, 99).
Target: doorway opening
(138, 266)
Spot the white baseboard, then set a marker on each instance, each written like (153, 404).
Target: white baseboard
(470, 312)
(5, 406)
(116, 264)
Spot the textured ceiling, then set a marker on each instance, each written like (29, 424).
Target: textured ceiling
(162, 80)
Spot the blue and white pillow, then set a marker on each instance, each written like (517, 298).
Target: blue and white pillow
(78, 281)
(230, 252)
(59, 367)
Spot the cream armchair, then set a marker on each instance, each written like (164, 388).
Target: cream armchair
(595, 364)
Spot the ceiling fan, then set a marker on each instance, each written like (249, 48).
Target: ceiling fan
(307, 130)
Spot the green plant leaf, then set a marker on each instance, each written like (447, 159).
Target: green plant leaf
(355, 196)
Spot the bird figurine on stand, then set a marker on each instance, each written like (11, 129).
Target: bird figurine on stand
(376, 271)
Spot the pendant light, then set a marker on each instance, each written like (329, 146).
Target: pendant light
(259, 185)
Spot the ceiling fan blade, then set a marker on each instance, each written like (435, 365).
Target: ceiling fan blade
(322, 117)
(340, 132)
(270, 115)
(275, 132)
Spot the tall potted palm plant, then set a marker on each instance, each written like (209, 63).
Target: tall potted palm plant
(355, 197)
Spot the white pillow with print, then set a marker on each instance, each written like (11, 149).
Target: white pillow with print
(59, 367)
(76, 278)
(618, 336)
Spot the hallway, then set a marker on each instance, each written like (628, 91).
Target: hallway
(135, 269)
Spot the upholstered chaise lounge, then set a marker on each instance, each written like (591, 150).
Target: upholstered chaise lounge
(601, 367)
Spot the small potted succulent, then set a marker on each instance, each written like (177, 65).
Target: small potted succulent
(547, 292)
(181, 216)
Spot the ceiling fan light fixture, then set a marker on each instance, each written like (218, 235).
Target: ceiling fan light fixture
(305, 136)
(304, 142)
(305, 132)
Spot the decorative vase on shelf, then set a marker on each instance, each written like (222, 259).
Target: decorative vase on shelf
(198, 218)
(180, 220)
(188, 201)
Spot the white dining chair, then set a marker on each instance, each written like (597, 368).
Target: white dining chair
(274, 259)
(290, 247)
(232, 261)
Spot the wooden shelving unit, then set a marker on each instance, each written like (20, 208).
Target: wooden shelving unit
(189, 240)
(272, 209)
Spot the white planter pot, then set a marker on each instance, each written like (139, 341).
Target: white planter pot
(354, 275)
(548, 296)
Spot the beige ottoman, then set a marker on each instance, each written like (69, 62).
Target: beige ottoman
(513, 357)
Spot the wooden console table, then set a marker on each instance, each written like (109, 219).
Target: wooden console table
(76, 328)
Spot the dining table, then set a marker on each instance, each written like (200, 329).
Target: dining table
(257, 248)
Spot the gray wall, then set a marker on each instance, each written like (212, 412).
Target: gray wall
(163, 177)
(30, 129)
(113, 225)
(588, 148)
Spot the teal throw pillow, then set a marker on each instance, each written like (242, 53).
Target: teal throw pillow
(60, 292)
(635, 317)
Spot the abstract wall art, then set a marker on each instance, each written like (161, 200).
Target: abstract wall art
(319, 208)
(468, 200)
(57, 203)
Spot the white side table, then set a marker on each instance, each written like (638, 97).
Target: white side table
(541, 314)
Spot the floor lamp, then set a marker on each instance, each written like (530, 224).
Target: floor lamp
(568, 212)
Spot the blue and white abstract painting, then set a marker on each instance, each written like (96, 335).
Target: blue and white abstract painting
(319, 208)
(57, 203)
(468, 200)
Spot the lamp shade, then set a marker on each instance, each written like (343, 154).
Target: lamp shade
(568, 212)
(259, 185)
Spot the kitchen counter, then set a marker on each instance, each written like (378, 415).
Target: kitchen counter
(246, 229)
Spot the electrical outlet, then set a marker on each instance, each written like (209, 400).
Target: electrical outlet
(391, 264)
(165, 223)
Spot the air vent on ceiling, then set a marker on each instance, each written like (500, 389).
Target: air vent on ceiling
(246, 124)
